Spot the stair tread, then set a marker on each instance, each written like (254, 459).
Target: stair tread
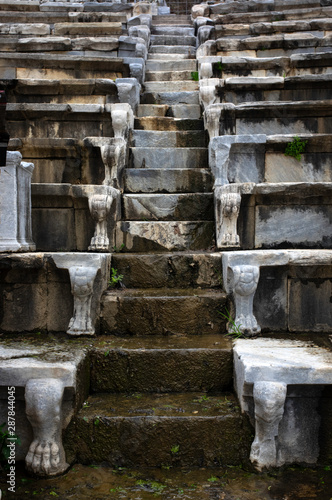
(165, 293)
(178, 405)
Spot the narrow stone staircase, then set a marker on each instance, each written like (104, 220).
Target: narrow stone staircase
(158, 382)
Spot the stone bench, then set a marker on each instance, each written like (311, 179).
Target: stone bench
(50, 17)
(47, 385)
(264, 5)
(280, 384)
(279, 290)
(273, 16)
(77, 217)
(270, 118)
(61, 291)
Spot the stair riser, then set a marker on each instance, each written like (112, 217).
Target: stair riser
(168, 158)
(167, 76)
(139, 236)
(188, 50)
(170, 139)
(148, 441)
(171, 207)
(161, 370)
(173, 40)
(176, 270)
(138, 180)
(173, 31)
(183, 111)
(176, 86)
(186, 64)
(170, 98)
(167, 124)
(162, 315)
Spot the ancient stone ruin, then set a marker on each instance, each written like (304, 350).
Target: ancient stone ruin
(165, 187)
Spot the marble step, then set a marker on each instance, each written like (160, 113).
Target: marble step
(187, 49)
(172, 31)
(168, 207)
(163, 311)
(168, 76)
(176, 111)
(164, 236)
(170, 98)
(176, 86)
(171, 18)
(169, 270)
(173, 40)
(168, 124)
(276, 15)
(146, 430)
(172, 180)
(170, 139)
(146, 364)
(168, 158)
(176, 65)
(170, 57)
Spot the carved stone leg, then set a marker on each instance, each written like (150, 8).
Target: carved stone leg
(100, 206)
(269, 398)
(82, 279)
(43, 398)
(228, 207)
(244, 287)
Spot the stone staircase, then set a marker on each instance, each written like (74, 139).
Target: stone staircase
(155, 387)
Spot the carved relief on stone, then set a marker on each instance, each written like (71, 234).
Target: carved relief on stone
(43, 398)
(82, 279)
(206, 49)
(211, 119)
(122, 119)
(140, 31)
(100, 206)
(137, 69)
(244, 285)
(208, 92)
(205, 70)
(227, 212)
(113, 154)
(203, 34)
(269, 398)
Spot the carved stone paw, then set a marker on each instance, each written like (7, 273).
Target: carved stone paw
(230, 240)
(248, 325)
(43, 458)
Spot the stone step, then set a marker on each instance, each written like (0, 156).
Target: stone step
(170, 98)
(275, 15)
(172, 180)
(172, 18)
(146, 364)
(173, 40)
(189, 50)
(137, 236)
(88, 29)
(171, 270)
(149, 430)
(167, 124)
(168, 207)
(19, 5)
(191, 111)
(172, 31)
(175, 87)
(168, 76)
(170, 65)
(168, 158)
(170, 57)
(171, 139)
(262, 5)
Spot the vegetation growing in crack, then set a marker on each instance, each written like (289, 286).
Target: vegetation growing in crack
(295, 148)
(116, 279)
(235, 331)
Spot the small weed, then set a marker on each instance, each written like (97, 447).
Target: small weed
(195, 76)
(106, 353)
(96, 421)
(235, 329)
(117, 250)
(295, 148)
(175, 449)
(86, 405)
(213, 479)
(115, 278)
(219, 67)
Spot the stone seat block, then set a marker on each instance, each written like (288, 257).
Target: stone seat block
(270, 118)
(141, 236)
(297, 88)
(63, 217)
(155, 157)
(170, 139)
(60, 66)
(168, 76)
(173, 31)
(170, 65)
(47, 385)
(204, 363)
(89, 91)
(285, 290)
(19, 5)
(163, 312)
(208, 440)
(49, 17)
(173, 86)
(88, 29)
(167, 207)
(188, 50)
(261, 6)
(279, 383)
(172, 180)
(281, 215)
(302, 12)
(48, 286)
(171, 270)
(40, 29)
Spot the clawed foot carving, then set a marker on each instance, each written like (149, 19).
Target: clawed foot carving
(44, 458)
